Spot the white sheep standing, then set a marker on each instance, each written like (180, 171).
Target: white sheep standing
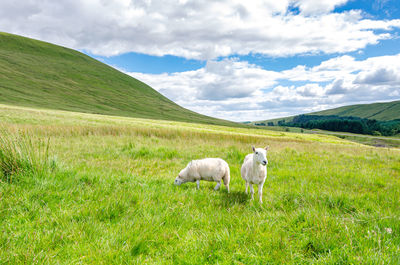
(209, 169)
(254, 170)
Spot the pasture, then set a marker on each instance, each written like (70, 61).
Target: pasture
(99, 189)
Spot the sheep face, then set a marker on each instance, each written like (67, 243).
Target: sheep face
(260, 155)
(181, 178)
(178, 181)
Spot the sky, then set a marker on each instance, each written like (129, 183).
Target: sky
(237, 60)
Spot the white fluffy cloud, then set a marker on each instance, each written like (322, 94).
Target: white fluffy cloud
(218, 80)
(194, 29)
(310, 7)
(252, 93)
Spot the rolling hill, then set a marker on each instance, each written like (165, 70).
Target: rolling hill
(376, 111)
(385, 111)
(42, 75)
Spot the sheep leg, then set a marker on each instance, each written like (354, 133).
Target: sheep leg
(252, 191)
(260, 188)
(247, 186)
(198, 184)
(217, 186)
(227, 187)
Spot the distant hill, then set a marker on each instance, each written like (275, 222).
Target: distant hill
(376, 111)
(39, 74)
(375, 119)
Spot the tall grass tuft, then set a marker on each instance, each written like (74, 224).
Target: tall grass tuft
(21, 154)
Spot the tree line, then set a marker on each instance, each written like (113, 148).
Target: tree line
(344, 124)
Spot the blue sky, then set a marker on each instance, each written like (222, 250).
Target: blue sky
(228, 59)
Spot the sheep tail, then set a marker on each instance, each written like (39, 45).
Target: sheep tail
(227, 177)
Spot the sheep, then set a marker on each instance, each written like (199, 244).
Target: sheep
(254, 170)
(209, 169)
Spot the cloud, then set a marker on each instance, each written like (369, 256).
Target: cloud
(253, 93)
(337, 88)
(195, 29)
(218, 80)
(378, 77)
(309, 7)
(310, 90)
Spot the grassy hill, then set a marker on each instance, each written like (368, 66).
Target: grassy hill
(385, 111)
(39, 74)
(378, 111)
(103, 193)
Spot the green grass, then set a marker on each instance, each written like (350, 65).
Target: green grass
(39, 74)
(110, 199)
(378, 111)
(377, 141)
(374, 141)
(21, 155)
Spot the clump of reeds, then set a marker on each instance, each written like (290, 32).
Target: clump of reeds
(22, 154)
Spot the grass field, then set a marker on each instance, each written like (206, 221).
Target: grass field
(82, 189)
(377, 141)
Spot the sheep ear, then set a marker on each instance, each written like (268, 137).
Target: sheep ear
(266, 148)
(254, 149)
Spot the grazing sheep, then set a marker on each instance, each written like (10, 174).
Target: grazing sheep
(254, 170)
(209, 169)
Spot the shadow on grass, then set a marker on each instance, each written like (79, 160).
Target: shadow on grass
(234, 197)
(226, 199)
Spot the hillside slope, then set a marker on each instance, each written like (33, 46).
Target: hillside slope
(377, 111)
(385, 111)
(39, 74)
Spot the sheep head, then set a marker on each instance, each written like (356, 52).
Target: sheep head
(260, 155)
(182, 176)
